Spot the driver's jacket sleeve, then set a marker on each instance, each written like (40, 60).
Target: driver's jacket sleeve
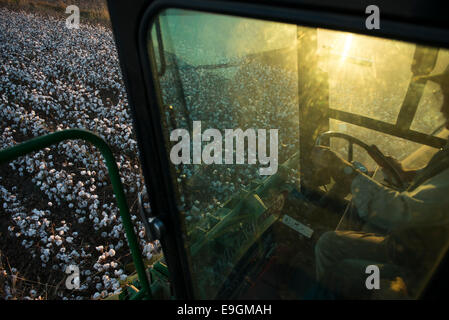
(426, 205)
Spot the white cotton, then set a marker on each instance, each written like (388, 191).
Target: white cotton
(111, 252)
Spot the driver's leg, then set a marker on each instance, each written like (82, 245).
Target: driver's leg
(335, 246)
(348, 280)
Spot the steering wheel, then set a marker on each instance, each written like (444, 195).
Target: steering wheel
(372, 150)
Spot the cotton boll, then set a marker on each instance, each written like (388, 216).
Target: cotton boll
(123, 277)
(111, 252)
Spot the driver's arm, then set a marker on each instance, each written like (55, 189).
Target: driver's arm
(406, 174)
(385, 207)
(388, 208)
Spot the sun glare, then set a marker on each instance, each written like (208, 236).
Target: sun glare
(347, 46)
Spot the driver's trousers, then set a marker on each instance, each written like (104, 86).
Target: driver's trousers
(341, 261)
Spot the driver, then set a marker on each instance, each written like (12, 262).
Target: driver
(415, 221)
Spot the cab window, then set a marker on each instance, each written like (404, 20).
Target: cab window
(243, 103)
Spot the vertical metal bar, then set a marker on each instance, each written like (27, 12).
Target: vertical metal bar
(410, 104)
(424, 61)
(160, 47)
(313, 101)
(350, 151)
(176, 72)
(38, 143)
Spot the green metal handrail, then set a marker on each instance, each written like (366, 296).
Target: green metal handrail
(38, 143)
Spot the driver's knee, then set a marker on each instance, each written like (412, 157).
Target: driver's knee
(324, 249)
(324, 241)
(331, 248)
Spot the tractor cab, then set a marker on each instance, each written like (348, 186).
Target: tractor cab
(229, 104)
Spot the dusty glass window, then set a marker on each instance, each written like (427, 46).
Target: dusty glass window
(243, 104)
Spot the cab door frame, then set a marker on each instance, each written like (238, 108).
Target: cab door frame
(402, 20)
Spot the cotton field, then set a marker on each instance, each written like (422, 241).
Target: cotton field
(57, 206)
(245, 100)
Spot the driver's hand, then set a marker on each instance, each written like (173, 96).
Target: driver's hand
(325, 160)
(406, 175)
